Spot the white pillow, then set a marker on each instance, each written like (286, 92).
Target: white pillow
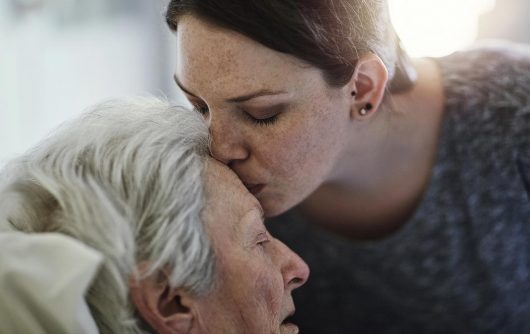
(43, 281)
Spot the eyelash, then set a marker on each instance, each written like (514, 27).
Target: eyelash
(262, 122)
(263, 241)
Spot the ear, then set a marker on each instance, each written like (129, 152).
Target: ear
(166, 310)
(369, 83)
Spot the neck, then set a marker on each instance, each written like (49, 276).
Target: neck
(395, 141)
(384, 171)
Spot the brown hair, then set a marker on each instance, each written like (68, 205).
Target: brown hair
(328, 34)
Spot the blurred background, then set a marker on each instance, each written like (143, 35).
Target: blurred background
(59, 56)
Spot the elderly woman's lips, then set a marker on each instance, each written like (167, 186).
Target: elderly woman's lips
(289, 328)
(254, 188)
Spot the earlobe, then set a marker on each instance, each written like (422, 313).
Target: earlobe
(160, 306)
(366, 109)
(368, 85)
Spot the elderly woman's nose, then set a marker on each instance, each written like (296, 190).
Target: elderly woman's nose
(295, 271)
(226, 144)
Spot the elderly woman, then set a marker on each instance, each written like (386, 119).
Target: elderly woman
(175, 243)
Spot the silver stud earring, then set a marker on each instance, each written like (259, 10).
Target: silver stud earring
(365, 110)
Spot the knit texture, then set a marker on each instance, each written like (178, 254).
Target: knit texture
(461, 264)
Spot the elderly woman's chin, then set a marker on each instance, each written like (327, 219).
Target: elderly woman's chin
(255, 273)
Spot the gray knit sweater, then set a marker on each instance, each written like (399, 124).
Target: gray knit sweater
(462, 262)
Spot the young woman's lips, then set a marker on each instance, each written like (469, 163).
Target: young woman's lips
(254, 188)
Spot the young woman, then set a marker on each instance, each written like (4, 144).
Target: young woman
(410, 179)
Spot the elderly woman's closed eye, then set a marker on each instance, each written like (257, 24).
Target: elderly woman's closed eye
(184, 246)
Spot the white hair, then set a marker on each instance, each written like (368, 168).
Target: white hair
(125, 179)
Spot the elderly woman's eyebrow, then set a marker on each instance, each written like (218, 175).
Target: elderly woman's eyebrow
(257, 209)
(251, 225)
(249, 219)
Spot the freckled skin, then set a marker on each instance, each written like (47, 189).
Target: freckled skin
(252, 293)
(358, 176)
(291, 157)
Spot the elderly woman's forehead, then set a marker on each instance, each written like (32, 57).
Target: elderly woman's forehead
(214, 170)
(226, 192)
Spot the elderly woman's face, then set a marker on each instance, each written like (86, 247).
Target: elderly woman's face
(273, 119)
(255, 272)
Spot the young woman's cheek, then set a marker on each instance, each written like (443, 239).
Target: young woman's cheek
(291, 141)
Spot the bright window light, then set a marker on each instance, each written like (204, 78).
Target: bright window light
(437, 27)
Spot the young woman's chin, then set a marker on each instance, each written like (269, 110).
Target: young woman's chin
(275, 203)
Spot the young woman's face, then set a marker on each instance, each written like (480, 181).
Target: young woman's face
(273, 119)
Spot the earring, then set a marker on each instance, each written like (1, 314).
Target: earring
(353, 93)
(365, 110)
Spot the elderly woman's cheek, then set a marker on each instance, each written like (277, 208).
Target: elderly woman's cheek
(271, 292)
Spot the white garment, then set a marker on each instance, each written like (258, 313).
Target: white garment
(43, 281)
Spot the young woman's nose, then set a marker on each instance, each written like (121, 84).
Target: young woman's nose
(227, 144)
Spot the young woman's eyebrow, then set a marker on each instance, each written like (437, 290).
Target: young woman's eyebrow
(253, 95)
(237, 99)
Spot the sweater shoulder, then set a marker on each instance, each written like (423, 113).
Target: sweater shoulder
(492, 74)
(487, 89)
